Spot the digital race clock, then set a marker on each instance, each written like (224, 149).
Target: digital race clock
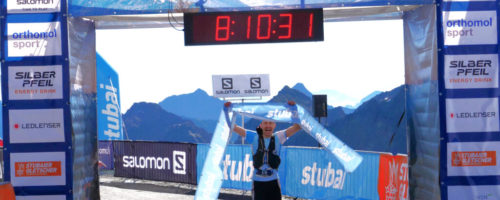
(253, 27)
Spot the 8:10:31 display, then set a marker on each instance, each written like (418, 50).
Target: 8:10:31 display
(253, 27)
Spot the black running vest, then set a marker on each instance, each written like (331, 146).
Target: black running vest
(258, 158)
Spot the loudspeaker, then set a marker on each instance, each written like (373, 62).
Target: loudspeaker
(320, 106)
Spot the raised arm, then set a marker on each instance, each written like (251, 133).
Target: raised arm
(237, 129)
(290, 131)
(240, 131)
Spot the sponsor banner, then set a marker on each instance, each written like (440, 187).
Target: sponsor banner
(35, 82)
(473, 158)
(106, 155)
(38, 169)
(313, 173)
(42, 197)
(471, 71)
(237, 165)
(251, 85)
(34, 39)
(470, 27)
(33, 6)
(465, 0)
(393, 177)
(36, 126)
(479, 192)
(173, 162)
(109, 117)
(1, 164)
(472, 115)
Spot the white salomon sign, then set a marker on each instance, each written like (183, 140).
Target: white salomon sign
(470, 27)
(33, 6)
(37, 82)
(38, 169)
(472, 115)
(34, 39)
(36, 126)
(251, 85)
(471, 71)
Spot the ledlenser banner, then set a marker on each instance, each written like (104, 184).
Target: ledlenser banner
(173, 162)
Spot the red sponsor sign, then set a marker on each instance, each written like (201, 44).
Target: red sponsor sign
(40, 168)
(473, 158)
(393, 177)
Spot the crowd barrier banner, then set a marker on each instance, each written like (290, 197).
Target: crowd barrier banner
(162, 161)
(237, 165)
(106, 155)
(393, 177)
(314, 173)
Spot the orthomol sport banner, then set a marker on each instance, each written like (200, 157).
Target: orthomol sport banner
(211, 177)
(163, 161)
(109, 116)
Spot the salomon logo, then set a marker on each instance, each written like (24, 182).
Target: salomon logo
(255, 83)
(179, 162)
(227, 83)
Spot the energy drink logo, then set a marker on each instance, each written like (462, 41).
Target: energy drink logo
(35, 82)
(473, 158)
(471, 71)
(393, 177)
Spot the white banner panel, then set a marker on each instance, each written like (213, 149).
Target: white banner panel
(473, 158)
(36, 126)
(250, 85)
(33, 6)
(34, 39)
(471, 71)
(478, 192)
(38, 169)
(37, 82)
(42, 197)
(469, 27)
(472, 115)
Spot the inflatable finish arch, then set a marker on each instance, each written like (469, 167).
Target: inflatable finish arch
(48, 69)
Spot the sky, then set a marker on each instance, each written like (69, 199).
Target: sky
(355, 59)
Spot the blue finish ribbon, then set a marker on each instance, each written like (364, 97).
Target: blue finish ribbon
(211, 176)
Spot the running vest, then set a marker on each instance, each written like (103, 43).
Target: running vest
(258, 158)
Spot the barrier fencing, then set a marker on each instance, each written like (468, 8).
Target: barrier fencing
(311, 173)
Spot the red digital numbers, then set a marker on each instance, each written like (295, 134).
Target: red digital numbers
(224, 28)
(260, 26)
(287, 26)
(268, 32)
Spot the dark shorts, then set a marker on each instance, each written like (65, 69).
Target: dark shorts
(269, 190)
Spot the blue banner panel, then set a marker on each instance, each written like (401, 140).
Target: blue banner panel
(237, 165)
(106, 155)
(161, 161)
(109, 117)
(313, 173)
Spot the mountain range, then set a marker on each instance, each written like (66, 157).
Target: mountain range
(192, 118)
